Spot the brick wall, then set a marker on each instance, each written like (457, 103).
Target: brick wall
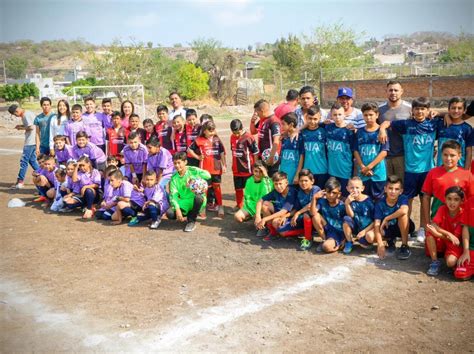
(438, 89)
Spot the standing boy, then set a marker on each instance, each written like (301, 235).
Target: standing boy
(42, 122)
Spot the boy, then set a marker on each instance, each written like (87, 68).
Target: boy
(183, 201)
(465, 264)
(84, 147)
(392, 220)
(28, 155)
(116, 136)
(328, 214)
(290, 148)
(179, 134)
(419, 136)
(340, 145)
(360, 216)
(370, 154)
(44, 179)
(75, 125)
(313, 147)
(134, 127)
(160, 161)
(135, 155)
(193, 130)
(42, 122)
(93, 123)
(458, 130)
(255, 188)
(62, 151)
(163, 129)
(275, 207)
(106, 115)
(440, 178)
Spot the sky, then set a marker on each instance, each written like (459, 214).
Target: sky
(236, 23)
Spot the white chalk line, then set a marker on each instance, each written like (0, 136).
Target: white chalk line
(182, 330)
(10, 151)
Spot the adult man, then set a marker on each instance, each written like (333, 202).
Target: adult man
(288, 106)
(307, 100)
(28, 155)
(395, 109)
(353, 116)
(177, 104)
(42, 122)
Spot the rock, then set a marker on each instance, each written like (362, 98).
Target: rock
(435, 307)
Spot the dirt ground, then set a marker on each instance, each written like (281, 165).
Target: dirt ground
(75, 286)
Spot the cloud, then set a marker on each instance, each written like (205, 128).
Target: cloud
(241, 14)
(147, 20)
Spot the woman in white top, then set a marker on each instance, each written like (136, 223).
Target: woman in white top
(58, 123)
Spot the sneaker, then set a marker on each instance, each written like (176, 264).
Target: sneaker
(404, 252)
(220, 211)
(391, 248)
(420, 235)
(190, 226)
(202, 216)
(134, 221)
(212, 207)
(305, 244)
(40, 199)
(363, 242)
(320, 248)
(463, 273)
(434, 268)
(18, 185)
(347, 248)
(65, 210)
(262, 232)
(155, 224)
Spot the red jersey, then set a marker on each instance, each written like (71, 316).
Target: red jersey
(116, 141)
(192, 133)
(244, 149)
(267, 130)
(180, 141)
(468, 214)
(439, 179)
(163, 131)
(449, 223)
(212, 150)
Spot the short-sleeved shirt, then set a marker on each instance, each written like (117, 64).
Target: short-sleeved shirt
(281, 202)
(386, 113)
(158, 195)
(176, 112)
(304, 198)
(363, 212)
(106, 120)
(180, 141)
(447, 222)
(181, 196)
(28, 120)
(382, 209)
(355, 118)
(340, 145)
(369, 147)
(462, 133)
(116, 139)
(468, 220)
(244, 149)
(418, 142)
(137, 158)
(254, 191)
(43, 121)
(72, 128)
(161, 161)
(192, 133)
(64, 155)
(300, 115)
(284, 108)
(313, 146)
(50, 176)
(94, 127)
(92, 151)
(269, 129)
(88, 178)
(124, 190)
(164, 131)
(211, 149)
(334, 215)
(74, 187)
(290, 156)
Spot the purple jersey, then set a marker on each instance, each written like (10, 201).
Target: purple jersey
(94, 127)
(138, 198)
(108, 192)
(49, 175)
(88, 178)
(63, 155)
(137, 158)
(124, 190)
(158, 195)
(106, 120)
(92, 151)
(72, 128)
(74, 187)
(162, 160)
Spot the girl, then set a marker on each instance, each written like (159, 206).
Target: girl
(116, 136)
(57, 125)
(126, 110)
(290, 148)
(85, 148)
(44, 179)
(149, 130)
(193, 129)
(160, 161)
(208, 149)
(107, 205)
(75, 125)
(244, 151)
(62, 151)
(71, 188)
(134, 127)
(88, 182)
(163, 130)
(135, 155)
(60, 184)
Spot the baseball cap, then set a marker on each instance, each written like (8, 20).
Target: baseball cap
(12, 108)
(344, 91)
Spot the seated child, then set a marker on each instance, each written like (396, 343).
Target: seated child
(160, 161)
(255, 188)
(328, 214)
(359, 220)
(392, 220)
(107, 206)
(123, 202)
(62, 151)
(44, 179)
(183, 201)
(444, 234)
(71, 189)
(156, 202)
(135, 155)
(275, 207)
(84, 147)
(60, 185)
(465, 264)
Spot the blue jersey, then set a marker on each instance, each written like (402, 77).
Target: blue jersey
(279, 201)
(290, 156)
(42, 121)
(313, 146)
(303, 199)
(363, 213)
(462, 133)
(333, 215)
(368, 146)
(340, 145)
(418, 142)
(382, 209)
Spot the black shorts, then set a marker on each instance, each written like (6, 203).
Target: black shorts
(239, 181)
(215, 179)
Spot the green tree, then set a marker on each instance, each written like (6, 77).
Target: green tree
(18, 93)
(30, 90)
(192, 82)
(89, 81)
(461, 50)
(16, 67)
(289, 55)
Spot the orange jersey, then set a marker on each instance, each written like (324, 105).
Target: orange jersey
(211, 149)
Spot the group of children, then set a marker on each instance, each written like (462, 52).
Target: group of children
(330, 179)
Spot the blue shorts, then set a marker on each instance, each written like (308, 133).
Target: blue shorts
(393, 231)
(351, 223)
(373, 189)
(287, 225)
(413, 184)
(320, 180)
(336, 235)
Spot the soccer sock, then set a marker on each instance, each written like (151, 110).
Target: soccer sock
(128, 212)
(239, 197)
(272, 229)
(218, 193)
(308, 228)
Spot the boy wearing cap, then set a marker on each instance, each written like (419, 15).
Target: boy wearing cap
(353, 116)
(28, 155)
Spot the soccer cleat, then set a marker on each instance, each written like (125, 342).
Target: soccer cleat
(18, 185)
(420, 235)
(434, 268)
(40, 199)
(133, 221)
(404, 252)
(262, 232)
(155, 224)
(190, 226)
(305, 244)
(347, 247)
(202, 216)
(220, 211)
(364, 243)
(212, 207)
(464, 272)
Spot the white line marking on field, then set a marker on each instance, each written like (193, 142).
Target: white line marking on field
(10, 151)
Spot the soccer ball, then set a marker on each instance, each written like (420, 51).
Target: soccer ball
(266, 155)
(197, 185)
